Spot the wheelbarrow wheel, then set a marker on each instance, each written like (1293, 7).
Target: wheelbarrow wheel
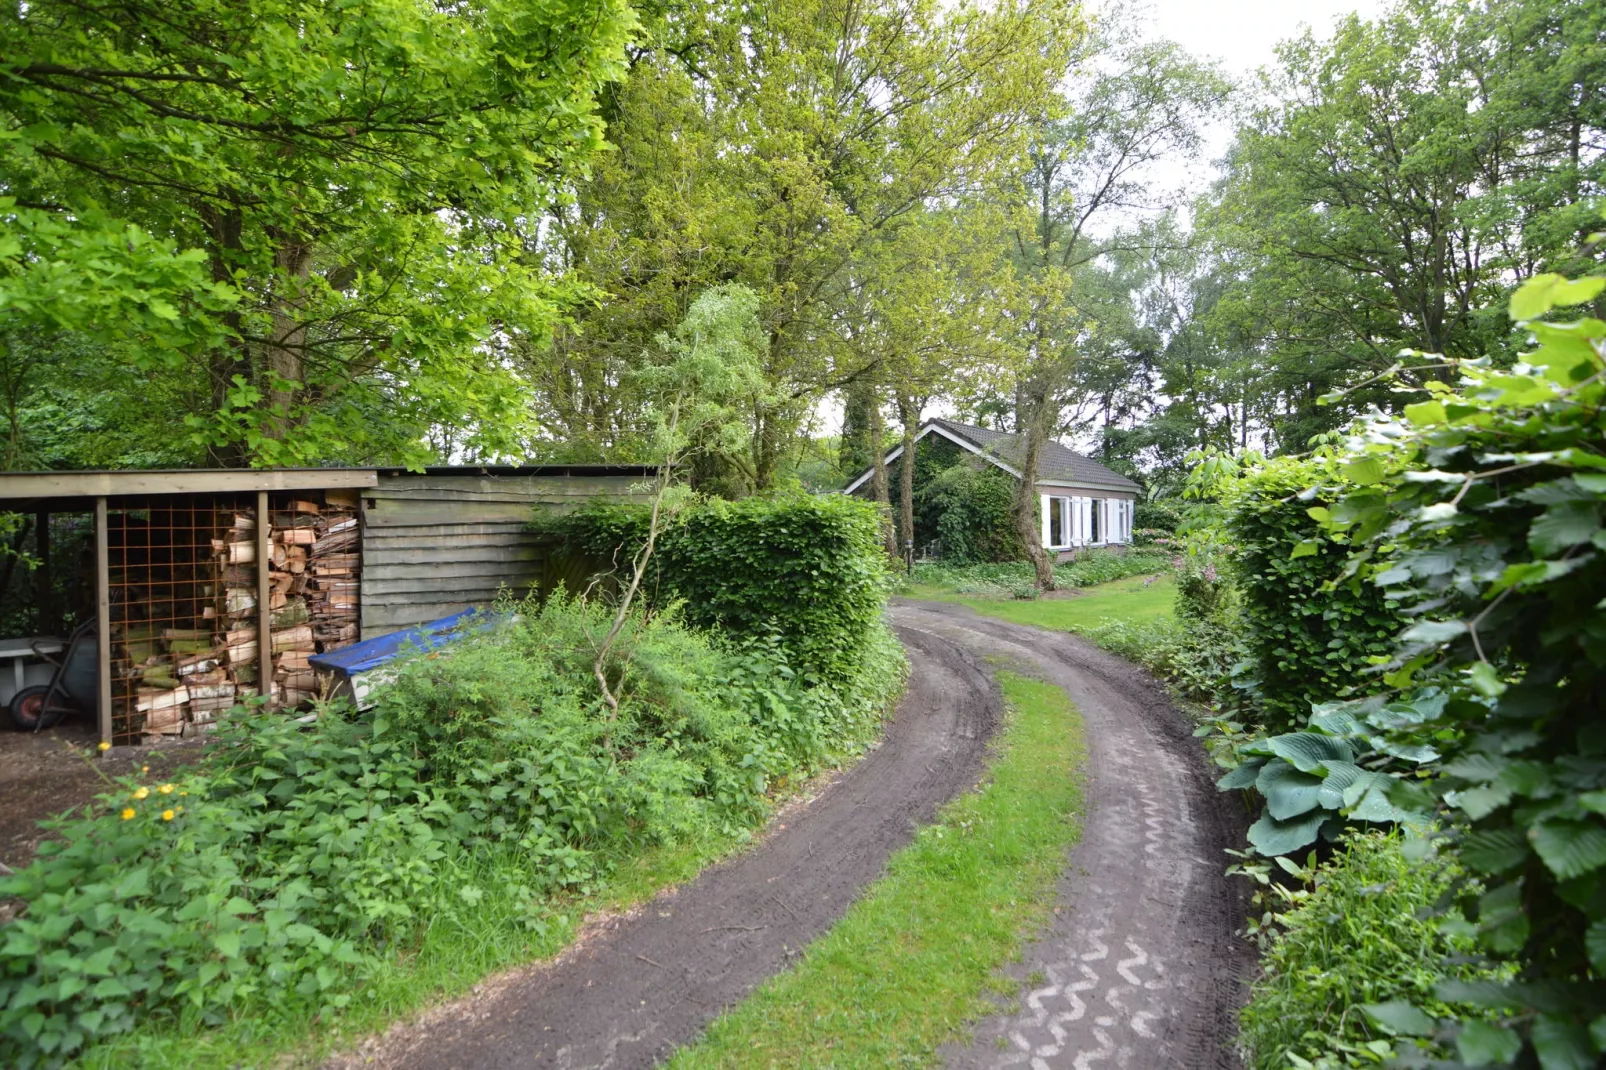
(28, 710)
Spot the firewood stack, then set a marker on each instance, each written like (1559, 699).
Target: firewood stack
(184, 676)
(313, 577)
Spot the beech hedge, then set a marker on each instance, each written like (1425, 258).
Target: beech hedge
(807, 570)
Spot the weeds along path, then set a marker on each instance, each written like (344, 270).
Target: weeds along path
(1142, 967)
(635, 987)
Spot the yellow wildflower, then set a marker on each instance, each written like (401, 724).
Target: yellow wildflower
(104, 746)
(166, 789)
(141, 793)
(183, 793)
(144, 769)
(167, 815)
(128, 813)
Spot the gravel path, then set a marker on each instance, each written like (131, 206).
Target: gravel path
(1141, 967)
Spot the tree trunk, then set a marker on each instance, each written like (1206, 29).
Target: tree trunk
(229, 360)
(1028, 509)
(283, 363)
(878, 477)
(909, 415)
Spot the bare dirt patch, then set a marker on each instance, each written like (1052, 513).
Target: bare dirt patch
(44, 773)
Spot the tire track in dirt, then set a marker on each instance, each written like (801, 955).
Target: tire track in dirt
(1142, 967)
(635, 987)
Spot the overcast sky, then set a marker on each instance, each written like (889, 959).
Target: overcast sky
(1244, 33)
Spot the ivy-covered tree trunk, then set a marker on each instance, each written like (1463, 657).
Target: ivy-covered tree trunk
(909, 415)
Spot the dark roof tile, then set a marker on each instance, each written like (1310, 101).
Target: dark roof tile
(1055, 462)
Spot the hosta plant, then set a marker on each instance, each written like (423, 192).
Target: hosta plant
(1336, 772)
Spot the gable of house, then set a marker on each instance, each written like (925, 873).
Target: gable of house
(1058, 466)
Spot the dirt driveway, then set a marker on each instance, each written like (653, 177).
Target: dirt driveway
(44, 773)
(1141, 968)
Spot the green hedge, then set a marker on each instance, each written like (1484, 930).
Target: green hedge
(808, 570)
(1309, 644)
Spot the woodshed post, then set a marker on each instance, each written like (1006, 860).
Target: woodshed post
(264, 603)
(103, 620)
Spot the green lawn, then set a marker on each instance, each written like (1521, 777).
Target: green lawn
(1128, 600)
(918, 956)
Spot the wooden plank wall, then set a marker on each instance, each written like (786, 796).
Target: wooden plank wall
(434, 545)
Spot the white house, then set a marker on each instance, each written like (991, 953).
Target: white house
(1081, 502)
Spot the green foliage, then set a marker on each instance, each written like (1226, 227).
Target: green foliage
(1363, 939)
(807, 570)
(1485, 520)
(330, 200)
(1154, 518)
(1339, 769)
(1312, 633)
(286, 866)
(966, 511)
(1196, 657)
(1014, 579)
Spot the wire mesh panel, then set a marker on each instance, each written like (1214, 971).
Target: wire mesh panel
(185, 619)
(179, 584)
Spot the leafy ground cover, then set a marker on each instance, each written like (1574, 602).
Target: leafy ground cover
(1357, 945)
(1014, 579)
(1134, 599)
(301, 878)
(918, 956)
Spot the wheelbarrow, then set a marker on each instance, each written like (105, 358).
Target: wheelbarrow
(74, 688)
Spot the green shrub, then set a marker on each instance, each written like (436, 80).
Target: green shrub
(1015, 580)
(807, 570)
(967, 511)
(1310, 642)
(1196, 657)
(1482, 509)
(1367, 933)
(1157, 519)
(280, 870)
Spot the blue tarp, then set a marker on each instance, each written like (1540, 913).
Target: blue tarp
(372, 653)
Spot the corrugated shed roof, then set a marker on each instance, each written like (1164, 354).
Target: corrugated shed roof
(1055, 461)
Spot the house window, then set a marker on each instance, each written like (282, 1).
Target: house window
(1097, 533)
(1059, 532)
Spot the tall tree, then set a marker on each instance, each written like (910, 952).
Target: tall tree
(780, 146)
(1397, 178)
(1131, 105)
(360, 182)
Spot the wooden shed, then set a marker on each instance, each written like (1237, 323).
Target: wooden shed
(209, 585)
(438, 541)
(213, 585)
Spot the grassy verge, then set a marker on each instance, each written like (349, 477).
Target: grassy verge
(918, 957)
(1137, 598)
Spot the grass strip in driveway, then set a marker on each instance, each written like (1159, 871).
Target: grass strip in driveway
(918, 957)
(1136, 598)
